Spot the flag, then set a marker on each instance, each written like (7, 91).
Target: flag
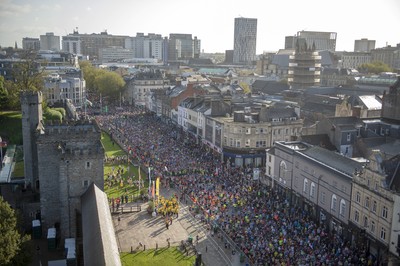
(158, 186)
(153, 190)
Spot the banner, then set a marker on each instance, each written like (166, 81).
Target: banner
(158, 186)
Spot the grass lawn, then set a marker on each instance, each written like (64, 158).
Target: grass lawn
(19, 169)
(110, 149)
(11, 126)
(162, 257)
(116, 190)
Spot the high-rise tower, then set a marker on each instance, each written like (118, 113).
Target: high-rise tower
(245, 39)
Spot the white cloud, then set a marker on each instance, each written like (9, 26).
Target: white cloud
(8, 8)
(89, 9)
(55, 7)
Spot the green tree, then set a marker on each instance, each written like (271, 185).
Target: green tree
(245, 86)
(9, 236)
(110, 84)
(26, 76)
(375, 67)
(89, 73)
(100, 81)
(52, 114)
(3, 95)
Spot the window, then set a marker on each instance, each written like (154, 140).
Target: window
(323, 197)
(269, 158)
(348, 136)
(356, 216)
(333, 202)
(269, 170)
(312, 190)
(385, 212)
(305, 185)
(372, 226)
(85, 183)
(358, 197)
(88, 165)
(366, 202)
(247, 143)
(238, 143)
(374, 206)
(248, 130)
(383, 233)
(342, 209)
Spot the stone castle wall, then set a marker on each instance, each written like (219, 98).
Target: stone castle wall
(70, 159)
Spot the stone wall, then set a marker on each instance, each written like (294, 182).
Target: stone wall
(70, 159)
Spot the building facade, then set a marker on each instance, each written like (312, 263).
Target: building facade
(113, 54)
(314, 179)
(321, 40)
(72, 44)
(389, 55)
(31, 44)
(304, 67)
(63, 85)
(245, 40)
(371, 208)
(50, 42)
(142, 84)
(146, 46)
(181, 46)
(391, 102)
(355, 59)
(364, 45)
(90, 44)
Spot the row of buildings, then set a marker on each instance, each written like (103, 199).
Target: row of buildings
(105, 47)
(343, 169)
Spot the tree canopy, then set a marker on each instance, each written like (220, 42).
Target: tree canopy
(9, 235)
(26, 76)
(100, 81)
(375, 67)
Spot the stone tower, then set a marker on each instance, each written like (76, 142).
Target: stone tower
(70, 158)
(31, 106)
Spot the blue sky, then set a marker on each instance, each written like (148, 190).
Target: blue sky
(212, 21)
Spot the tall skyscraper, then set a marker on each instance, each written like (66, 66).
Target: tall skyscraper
(245, 40)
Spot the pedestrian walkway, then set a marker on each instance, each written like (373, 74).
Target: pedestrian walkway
(138, 231)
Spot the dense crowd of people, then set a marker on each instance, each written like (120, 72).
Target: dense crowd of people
(257, 218)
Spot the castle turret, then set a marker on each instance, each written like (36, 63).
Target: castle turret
(31, 106)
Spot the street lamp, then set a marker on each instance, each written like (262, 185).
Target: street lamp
(1, 152)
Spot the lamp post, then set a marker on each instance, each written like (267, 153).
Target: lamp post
(1, 153)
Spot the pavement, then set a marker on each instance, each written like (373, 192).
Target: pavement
(140, 230)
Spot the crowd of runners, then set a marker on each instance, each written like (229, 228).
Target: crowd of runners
(258, 219)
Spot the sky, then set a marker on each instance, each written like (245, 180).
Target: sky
(212, 21)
